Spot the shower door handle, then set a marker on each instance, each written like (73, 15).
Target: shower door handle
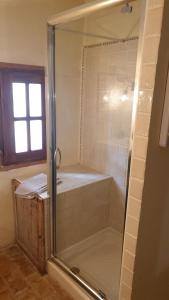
(60, 157)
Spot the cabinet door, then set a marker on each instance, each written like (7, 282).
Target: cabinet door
(27, 225)
(30, 229)
(33, 230)
(41, 236)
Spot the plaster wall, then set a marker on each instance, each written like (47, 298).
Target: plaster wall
(23, 40)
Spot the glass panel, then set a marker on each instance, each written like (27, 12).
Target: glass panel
(19, 99)
(100, 108)
(36, 134)
(21, 140)
(35, 100)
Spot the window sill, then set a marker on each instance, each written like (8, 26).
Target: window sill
(21, 165)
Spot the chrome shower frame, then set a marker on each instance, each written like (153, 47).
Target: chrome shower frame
(53, 24)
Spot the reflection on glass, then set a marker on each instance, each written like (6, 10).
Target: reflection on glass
(36, 134)
(19, 99)
(21, 141)
(35, 100)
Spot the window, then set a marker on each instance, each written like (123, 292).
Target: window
(22, 113)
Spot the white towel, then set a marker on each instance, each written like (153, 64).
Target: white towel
(33, 185)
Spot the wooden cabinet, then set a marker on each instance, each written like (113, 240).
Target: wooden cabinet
(30, 227)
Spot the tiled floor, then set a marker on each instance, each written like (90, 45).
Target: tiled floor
(20, 280)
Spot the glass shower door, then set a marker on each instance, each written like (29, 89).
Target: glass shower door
(95, 75)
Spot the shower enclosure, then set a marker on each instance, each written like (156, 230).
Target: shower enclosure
(92, 66)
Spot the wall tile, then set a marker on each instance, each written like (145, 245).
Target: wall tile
(150, 50)
(155, 3)
(131, 226)
(130, 243)
(140, 147)
(128, 260)
(136, 188)
(151, 37)
(153, 21)
(148, 76)
(145, 100)
(142, 124)
(125, 292)
(134, 207)
(127, 276)
(138, 168)
(96, 196)
(104, 137)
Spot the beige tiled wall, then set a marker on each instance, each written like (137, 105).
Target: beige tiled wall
(108, 74)
(151, 37)
(74, 215)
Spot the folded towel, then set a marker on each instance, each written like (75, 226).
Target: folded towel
(33, 185)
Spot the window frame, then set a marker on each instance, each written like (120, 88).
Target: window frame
(27, 74)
